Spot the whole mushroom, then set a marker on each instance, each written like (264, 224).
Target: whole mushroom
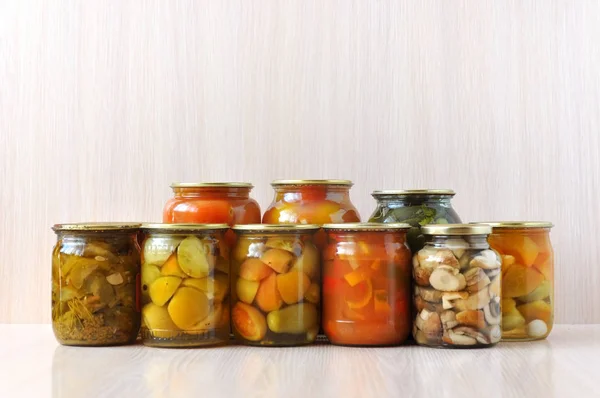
(448, 319)
(486, 259)
(447, 279)
(421, 304)
(449, 299)
(474, 302)
(477, 279)
(473, 318)
(468, 331)
(429, 294)
(493, 315)
(450, 337)
(429, 323)
(432, 258)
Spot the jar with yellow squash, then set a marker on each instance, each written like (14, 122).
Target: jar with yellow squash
(528, 278)
(185, 285)
(95, 269)
(275, 285)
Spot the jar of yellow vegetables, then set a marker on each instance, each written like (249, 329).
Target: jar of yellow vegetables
(185, 285)
(528, 278)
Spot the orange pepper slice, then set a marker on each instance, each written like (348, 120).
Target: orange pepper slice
(357, 276)
(380, 301)
(363, 293)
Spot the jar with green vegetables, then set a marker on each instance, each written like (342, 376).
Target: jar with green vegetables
(416, 207)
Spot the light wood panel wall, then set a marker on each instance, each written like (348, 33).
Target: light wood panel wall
(103, 104)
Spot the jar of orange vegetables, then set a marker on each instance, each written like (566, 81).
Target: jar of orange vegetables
(528, 278)
(367, 284)
(275, 285)
(311, 202)
(211, 202)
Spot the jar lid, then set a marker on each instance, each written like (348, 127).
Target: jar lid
(275, 227)
(456, 229)
(212, 185)
(97, 226)
(366, 226)
(517, 224)
(183, 227)
(276, 183)
(415, 192)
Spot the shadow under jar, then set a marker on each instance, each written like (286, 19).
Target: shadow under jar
(527, 278)
(416, 207)
(276, 285)
(185, 285)
(95, 268)
(366, 284)
(457, 289)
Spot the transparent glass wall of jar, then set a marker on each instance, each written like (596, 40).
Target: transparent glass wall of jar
(416, 207)
(185, 285)
(457, 288)
(528, 278)
(366, 284)
(276, 285)
(95, 268)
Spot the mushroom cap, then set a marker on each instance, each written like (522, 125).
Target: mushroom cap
(486, 259)
(442, 278)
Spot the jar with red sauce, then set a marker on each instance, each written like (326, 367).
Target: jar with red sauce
(212, 203)
(366, 284)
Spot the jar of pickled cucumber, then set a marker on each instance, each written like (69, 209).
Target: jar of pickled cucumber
(276, 285)
(416, 207)
(367, 284)
(457, 290)
(95, 270)
(185, 285)
(528, 278)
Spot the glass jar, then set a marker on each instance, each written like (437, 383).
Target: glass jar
(276, 274)
(528, 278)
(366, 284)
(311, 202)
(95, 269)
(416, 207)
(185, 285)
(213, 202)
(457, 288)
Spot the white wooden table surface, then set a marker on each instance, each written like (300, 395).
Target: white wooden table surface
(567, 364)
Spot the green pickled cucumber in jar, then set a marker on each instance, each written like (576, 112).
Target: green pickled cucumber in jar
(416, 207)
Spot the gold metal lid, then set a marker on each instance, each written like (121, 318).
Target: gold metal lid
(97, 226)
(517, 224)
(407, 192)
(212, 185)
(456, 229)
(275, 227)
(366, 226)
(183, 227)
(277, 183)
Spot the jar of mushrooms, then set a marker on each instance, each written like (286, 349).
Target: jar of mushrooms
(457, 288)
